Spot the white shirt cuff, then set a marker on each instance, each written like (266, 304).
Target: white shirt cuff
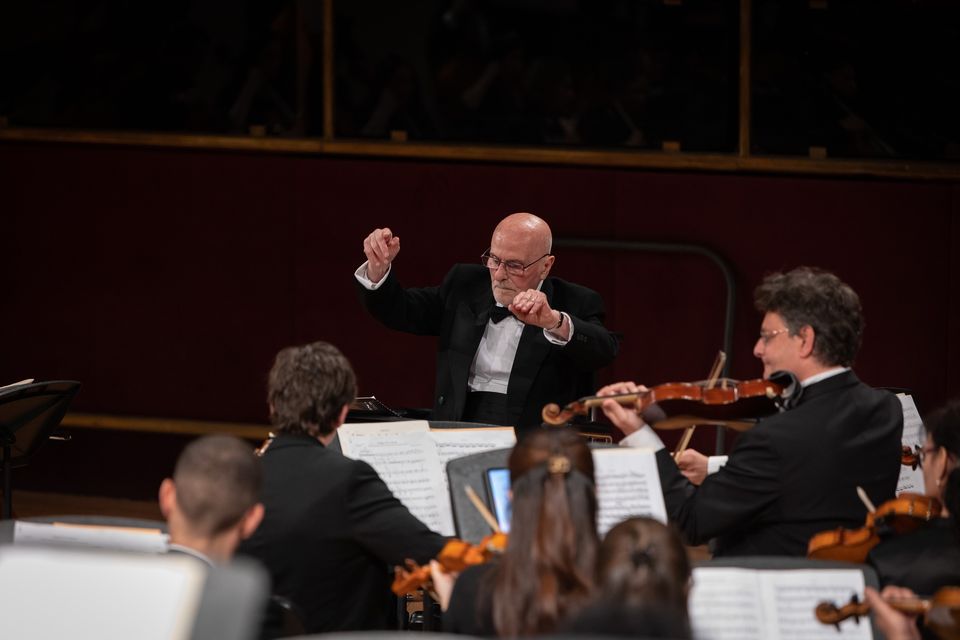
(361, 276)
(643, 438)
(560, 341)
(715, 462)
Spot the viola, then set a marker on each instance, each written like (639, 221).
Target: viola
(455, 556)
(678, 405)
(904, 514)
(941, 613)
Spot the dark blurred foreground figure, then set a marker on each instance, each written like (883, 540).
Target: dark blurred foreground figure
(546, 572)
(332, 530)
(212, 501)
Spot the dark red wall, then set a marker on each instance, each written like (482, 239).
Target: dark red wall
(165, 280)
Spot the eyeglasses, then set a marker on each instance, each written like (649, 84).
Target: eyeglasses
(924, 452)
(767, 336)
(512, 267)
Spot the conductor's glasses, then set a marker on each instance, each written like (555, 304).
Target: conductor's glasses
(512, 267)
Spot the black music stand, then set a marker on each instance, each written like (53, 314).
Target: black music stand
(29, 413)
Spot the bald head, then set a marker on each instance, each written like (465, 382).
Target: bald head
(526, 225)
(524, 239)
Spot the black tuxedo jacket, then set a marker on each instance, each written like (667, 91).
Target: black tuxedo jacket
(795, 473)
(924, 561)
(331, 535)
(457, 312)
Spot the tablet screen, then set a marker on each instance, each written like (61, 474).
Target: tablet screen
(498, 489)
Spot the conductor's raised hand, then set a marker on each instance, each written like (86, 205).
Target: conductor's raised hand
(380, 247)
(531, 307)
(624, 418)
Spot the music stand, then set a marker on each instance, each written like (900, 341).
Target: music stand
(28, 415)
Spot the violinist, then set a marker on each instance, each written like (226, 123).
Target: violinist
(546, 572)
(795, 473)
(929, 557)
(332, 530)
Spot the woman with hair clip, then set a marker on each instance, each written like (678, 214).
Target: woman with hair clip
(929, 558)
(546, 572)
(643, 580)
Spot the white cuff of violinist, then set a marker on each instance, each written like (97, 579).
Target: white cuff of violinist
(715, 462)
(643, 438)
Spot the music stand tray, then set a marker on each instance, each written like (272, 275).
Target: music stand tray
(28, 415)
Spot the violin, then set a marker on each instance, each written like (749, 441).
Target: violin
(941, 613)
(910, 457)
(678, 405)
(899, 516)
(455, 556)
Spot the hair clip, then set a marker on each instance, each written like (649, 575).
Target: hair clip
(558, 464)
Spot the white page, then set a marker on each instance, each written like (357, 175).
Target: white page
(627, 485)
(795, 594)
(457, 443)
(914, 434)
(114, 538)
(746, 604)
(724, 604)
(83, 594)
(405, 455)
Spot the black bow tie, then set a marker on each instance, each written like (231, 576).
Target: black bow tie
(499, 313)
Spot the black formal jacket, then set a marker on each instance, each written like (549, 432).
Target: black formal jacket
(331, 534)
(924, 561)
(795, 473)
(457, 312)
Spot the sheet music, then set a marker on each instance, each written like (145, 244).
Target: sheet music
(914, 435)
(733, 604)
(405, 455)
(456, 443)
(113, 538)
(628, 484)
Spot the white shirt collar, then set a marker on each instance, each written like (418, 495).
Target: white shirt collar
(823, 375)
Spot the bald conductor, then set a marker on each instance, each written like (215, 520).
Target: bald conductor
(511, 338)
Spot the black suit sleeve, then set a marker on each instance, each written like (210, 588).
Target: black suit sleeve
(592, 346)
(418, 311)
(381, 524)
(728, 499)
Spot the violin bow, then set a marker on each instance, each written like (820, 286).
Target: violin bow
(482, 508)
(865, 499)
(718, 363)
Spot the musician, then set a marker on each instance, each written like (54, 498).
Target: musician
(929, 558)
(546, 572)
(212, 501)
(332, 529)
(643, 580)
(511, 338)
(795, 473)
